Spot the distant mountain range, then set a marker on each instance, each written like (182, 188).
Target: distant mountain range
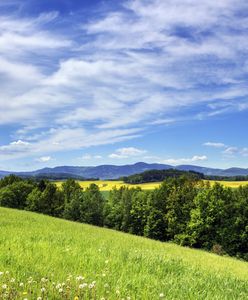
(114, 172)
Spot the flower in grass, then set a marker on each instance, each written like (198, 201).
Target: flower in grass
(25, 293)
(60, 290)
(7, 272)
(1, 273)
(44, 280)
(82, 286)
(4, 286)
(76, 298)
(80, 278)
(43, 290)
(161, 295)
(21, 284)
(12, 280)
(106, 285)
(58, 286)
(39, 298)
(117, 292)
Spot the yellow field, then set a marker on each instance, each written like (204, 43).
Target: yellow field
(107, 185)
(231, 184)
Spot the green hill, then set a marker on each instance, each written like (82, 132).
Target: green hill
(55, 253)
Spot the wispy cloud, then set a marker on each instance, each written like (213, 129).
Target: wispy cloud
(90, 157)
(215, 145)
(127, 153)
(113, 77)
(44, 159)
(178, 161)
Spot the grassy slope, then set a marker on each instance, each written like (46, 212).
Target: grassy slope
(39, 246)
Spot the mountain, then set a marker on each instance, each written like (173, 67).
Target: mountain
(114, 172)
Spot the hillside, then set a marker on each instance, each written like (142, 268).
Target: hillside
(122, 265)
(114, 172)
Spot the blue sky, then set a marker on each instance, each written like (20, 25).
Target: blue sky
(95, 82)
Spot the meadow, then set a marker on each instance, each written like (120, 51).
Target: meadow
(42, 257)
(107, 185)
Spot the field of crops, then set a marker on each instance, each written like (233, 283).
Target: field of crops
(107, 185)
(231, 184)
(46, 258)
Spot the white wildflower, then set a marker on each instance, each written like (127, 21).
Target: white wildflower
(43, 290)
(4, 286)
(21, 284)
(60, 290)
(161, 295)
(83, 285)
(79, 278)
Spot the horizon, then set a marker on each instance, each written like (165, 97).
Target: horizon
(106, 82)
(117, 165)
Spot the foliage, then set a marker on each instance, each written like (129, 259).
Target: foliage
(184, 210)
(160, 175)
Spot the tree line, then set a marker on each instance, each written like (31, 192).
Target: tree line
(161, 175)
(184, 210)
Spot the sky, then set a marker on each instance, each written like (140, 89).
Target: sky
(116, 82)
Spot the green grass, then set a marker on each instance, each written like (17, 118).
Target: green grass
(43, 247)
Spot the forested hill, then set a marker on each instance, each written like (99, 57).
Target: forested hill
(159, 175)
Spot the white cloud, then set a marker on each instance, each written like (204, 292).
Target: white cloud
(19, 142)
(215, 145)
(44, 158)
(179, 161)
(231, 151)
(91, 157)
(127, 152)
(244, 152)
(130, 69)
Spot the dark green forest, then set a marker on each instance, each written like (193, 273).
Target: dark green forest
(184, 210)
(161, 175)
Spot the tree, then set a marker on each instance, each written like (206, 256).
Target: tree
(15, 195)
(49, 202)
(211, 219)
(91, 208)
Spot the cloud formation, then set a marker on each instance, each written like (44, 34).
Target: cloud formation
(179, 161)
(122, 72)
(127, 153)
